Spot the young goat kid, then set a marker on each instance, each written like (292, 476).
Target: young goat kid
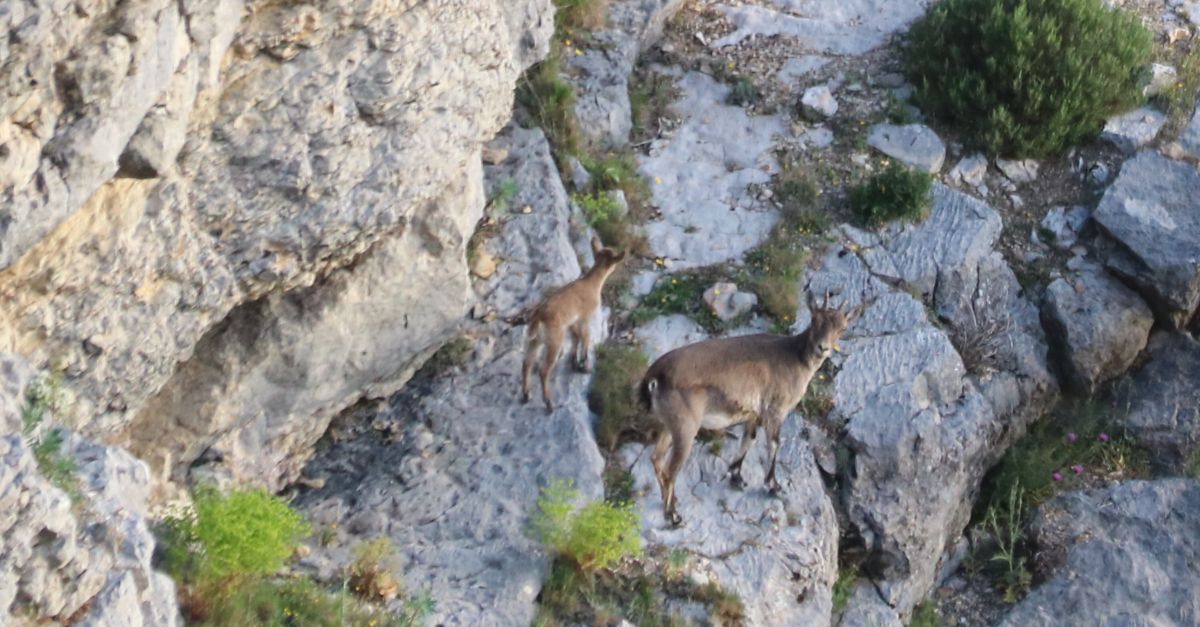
(755, 379)
(569, 308)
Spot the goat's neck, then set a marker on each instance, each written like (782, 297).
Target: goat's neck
(595, 277)
(806, 350)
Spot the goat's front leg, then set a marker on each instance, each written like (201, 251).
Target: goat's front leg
(774, 427)
(583, 339)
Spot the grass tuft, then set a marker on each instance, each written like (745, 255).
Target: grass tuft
(898, 192)
(613, 393)
(843, 588)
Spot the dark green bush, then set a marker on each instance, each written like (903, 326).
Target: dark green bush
(1026, 77)
(896, 192)
(594, 536)
(613, 393)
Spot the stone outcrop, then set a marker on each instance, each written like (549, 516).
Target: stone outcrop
(1095, 325)
(224, 288)
(84, 561)
(1117, 553)
(913, 144)
(1162, 400)
(920, 425)
(450, 471)
(1151, 214)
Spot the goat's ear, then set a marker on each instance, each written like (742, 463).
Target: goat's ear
(811, 300)
(855, 313)
(620, 256)
(596, 245)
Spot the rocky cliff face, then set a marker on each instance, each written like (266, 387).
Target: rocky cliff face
(220, 217)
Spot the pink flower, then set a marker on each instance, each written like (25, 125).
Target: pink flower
(1103, 437)
(1071, 437)
(1078, 469)
(1057, 476)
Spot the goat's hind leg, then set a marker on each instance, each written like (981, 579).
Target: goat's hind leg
(774, 427)
(554, 340)
(735, 467)
(532, 344)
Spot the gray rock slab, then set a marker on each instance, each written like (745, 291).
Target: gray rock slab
(1163, 401)
(913, 144)
(1133, 130)
(779, 555)
(970, 170)
(818, 103)
(699, 178)
(831, 27)
(1152, 211)
(1096, 327)
(666, 333)
(1064, 225)
(1124, 555)
(1190, 139)
(1019, 170)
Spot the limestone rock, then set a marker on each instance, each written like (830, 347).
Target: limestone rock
(825, 26)
(970, 170)
(464, 451)
(727, 303)
(666, 333)
(914, 144)
(1096, 327)
(818, 103)
(1162, 78)
(1019, 171)
(779, 555)
(1065, 225)
(1130, 131)
(1129, 550)
(1163, 401)
(229, 289)
(700, 177)
(1152, 213)
(1189, 141)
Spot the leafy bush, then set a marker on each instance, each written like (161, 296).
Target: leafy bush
(551, 102)
(47, 397)
(592, 537)
(370, 578)
(843, 588)
(898, 192)
(1026, 77)
(778, 265)
(246, 533)
(925, 616)
(297, 601)
(613, 392)
(742, 92)
(608, 217)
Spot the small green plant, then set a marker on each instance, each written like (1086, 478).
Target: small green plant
(453, 354)
(843, 588)
(609, 218)
(1193, 467)
(899, 112)
(1026, 77)
(297, 601)
(244, 533)
(650, 98)
(618, 170)
(778, 265)
(551, 102)
(724, 606)
(818, 400)
(1005, 524)
(570, 15)
(898, 192)
(613, 393)
(47, 397)
(504, 194)
(681, 293)
(925, 616)
(592, 537)
(56, 465)
(369, 577)
(1076, 441)
(742, 92)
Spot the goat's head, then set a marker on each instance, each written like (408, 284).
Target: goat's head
(606, 258)
(828, 324)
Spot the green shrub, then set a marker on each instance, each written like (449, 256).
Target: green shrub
(551, 102)
(504, 194)
(369, 577)
(592, 537)
(650, 97)
(608, 217)
(742, 92)
(925, 616)
(843, 588)
(453, 354)
(613, 393)
(45, 397)
(246, 533)
(778, 265)
(297, 601)
(1005, 521)
(1026, 77)
(57, 466)
(898, 192)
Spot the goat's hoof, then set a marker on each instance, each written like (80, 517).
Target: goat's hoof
(737, 482)
(674, 519)
(525, 397)
(775, 490)
(549, 408)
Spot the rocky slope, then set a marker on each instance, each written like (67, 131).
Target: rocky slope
(226, 222)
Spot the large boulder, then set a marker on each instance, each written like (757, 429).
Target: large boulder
(229, 291)
(1095, 325)
(1162, 401)
(1122, 555)
(1152, 215)
(921, 418)
(450, 469)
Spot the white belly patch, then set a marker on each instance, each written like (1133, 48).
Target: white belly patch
(721, 420)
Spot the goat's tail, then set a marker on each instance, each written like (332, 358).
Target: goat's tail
(646, 391)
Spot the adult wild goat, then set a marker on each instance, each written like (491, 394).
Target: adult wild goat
(714, 384)
(567, 309)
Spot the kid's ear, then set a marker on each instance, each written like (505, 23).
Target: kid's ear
(620, 255)
(854, 313)
(812, 302)
(596, 245)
